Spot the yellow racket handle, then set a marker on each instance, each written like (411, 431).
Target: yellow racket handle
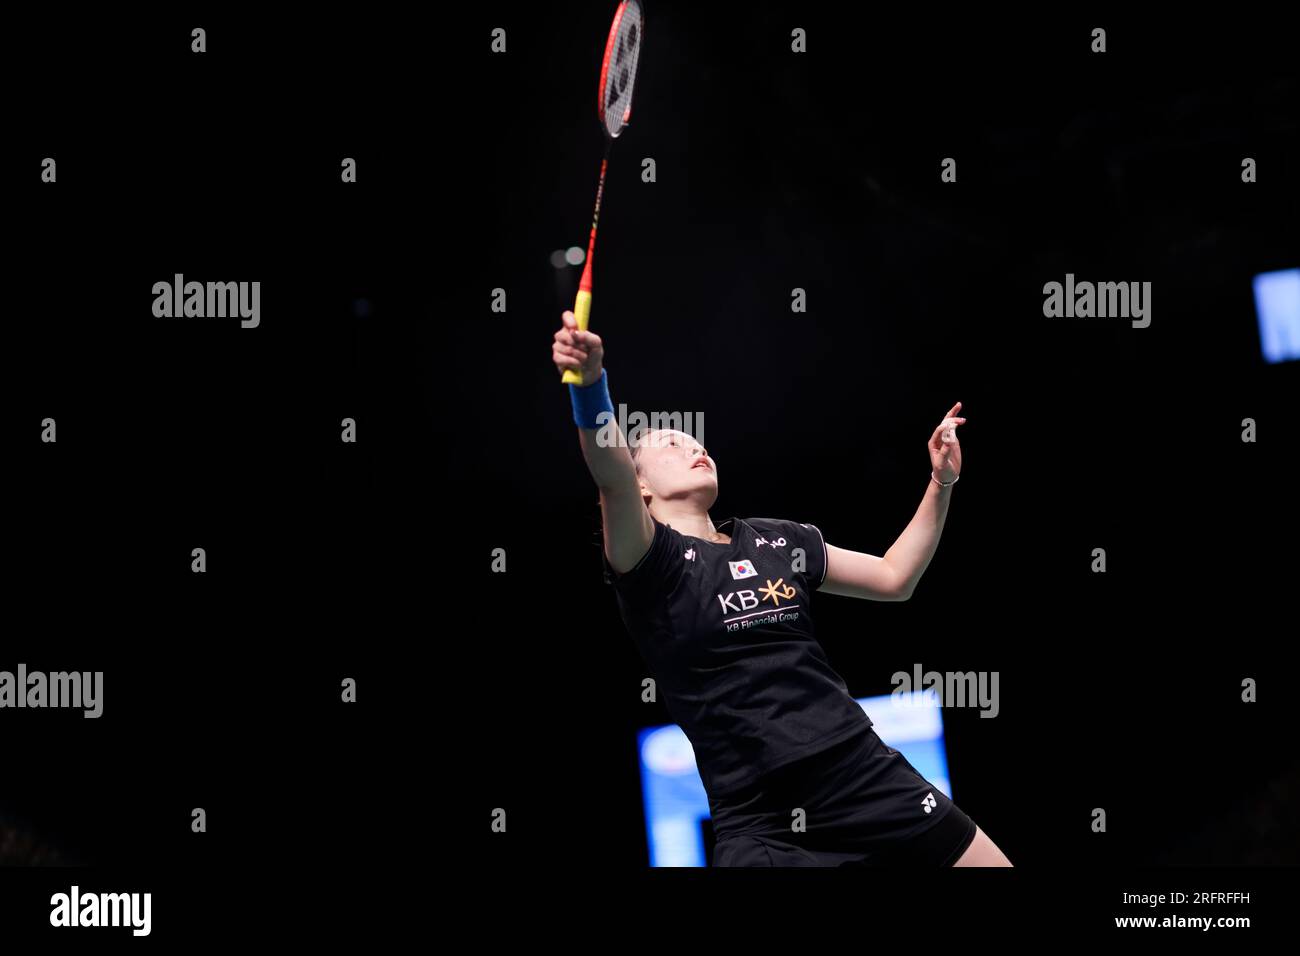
(581, 311)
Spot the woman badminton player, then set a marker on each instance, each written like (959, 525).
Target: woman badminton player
(722, 617)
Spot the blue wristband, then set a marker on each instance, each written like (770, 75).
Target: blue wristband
(590, 400)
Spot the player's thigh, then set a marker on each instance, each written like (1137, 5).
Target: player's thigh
(982, 852)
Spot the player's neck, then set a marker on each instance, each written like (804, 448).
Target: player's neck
(689, 521)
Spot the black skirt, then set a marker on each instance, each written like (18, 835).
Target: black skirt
(862, 804)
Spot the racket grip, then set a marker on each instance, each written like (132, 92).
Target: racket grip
(581, 312)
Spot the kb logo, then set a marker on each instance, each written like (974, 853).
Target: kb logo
(749, 599)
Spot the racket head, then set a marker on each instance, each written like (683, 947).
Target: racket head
(618, 68)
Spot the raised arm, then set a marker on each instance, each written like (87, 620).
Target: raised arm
(894, 576)
(627, 523)
(861, 575)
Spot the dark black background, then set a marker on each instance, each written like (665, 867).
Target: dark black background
(774, 171)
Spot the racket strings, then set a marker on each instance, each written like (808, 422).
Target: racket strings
(622, 55)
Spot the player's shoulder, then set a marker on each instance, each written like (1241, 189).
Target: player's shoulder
(661, 527)
(665, 535)
(779, 526)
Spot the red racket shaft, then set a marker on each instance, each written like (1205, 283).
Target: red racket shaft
(582, 304)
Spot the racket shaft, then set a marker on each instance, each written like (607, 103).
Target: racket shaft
(582, 304)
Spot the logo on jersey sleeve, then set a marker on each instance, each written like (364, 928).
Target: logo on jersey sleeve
(742, 569)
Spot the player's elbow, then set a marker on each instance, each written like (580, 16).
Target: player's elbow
(892, 595)
(902, 590)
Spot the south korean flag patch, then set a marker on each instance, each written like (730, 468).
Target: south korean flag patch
(742, 569)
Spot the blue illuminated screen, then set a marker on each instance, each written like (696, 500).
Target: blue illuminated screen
(1277, 305)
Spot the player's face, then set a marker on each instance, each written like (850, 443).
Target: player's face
(675, 465)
